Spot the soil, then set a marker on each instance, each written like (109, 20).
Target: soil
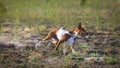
(19, 51)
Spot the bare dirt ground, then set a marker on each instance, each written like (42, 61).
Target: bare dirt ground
(18, 50)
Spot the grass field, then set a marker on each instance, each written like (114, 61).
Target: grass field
(99, 13)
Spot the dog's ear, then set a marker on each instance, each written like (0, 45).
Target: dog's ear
(79, 25)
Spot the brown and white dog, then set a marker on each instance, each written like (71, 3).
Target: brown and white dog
(61, 35)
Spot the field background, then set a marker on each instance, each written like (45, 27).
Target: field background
(28, 19)
(99, 14)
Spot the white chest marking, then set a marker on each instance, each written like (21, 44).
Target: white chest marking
(61, 32)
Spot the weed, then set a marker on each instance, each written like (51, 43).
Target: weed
(2, 9)
(110, 60)
(35, 58)
(83, 2)
(74, 57)
(22, 65)
(1, 28)
(41, 28)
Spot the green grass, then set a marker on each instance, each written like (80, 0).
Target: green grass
(101, 14)
(110, 60)
(0, 28)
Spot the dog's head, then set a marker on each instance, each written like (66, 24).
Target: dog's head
(80, 30)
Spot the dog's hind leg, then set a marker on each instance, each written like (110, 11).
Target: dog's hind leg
(50, 35)
(65, 37)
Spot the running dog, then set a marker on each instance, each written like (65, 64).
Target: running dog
(60, 35)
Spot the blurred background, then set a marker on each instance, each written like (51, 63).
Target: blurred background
(98, 15)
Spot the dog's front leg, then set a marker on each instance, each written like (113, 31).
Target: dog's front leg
(72, 48)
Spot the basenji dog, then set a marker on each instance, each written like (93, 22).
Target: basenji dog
(60, 35)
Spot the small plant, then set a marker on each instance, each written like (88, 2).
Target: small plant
(119, 34)
(16, 24)
(74, 57)
(83, 2)
(85, 45)
(0, 28)
(117, 58)
(23, 65)
(41, 28)
(110, 61)
(2, 9)
(35, 58)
